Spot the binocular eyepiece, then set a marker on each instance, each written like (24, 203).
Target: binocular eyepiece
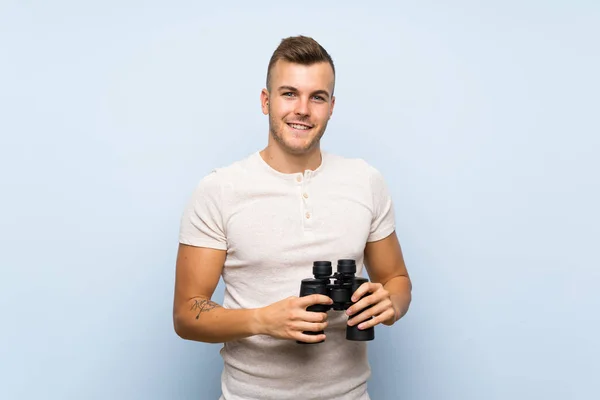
(340, 291)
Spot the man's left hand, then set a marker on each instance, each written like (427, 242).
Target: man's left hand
(382, 309)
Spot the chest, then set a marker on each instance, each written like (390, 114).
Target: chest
(299, 224)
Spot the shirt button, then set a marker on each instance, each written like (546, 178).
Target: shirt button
(307, 215)
(299, 178)
(305, 195)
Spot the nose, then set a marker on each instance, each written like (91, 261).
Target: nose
(302, 106)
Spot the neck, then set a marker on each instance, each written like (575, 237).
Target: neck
(288, 163)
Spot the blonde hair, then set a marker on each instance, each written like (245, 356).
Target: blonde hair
(301, 50)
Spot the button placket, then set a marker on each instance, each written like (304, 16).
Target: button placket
(307, 214)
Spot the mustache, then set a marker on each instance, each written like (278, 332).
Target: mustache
(302, 120)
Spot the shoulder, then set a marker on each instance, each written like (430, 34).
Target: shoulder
(222, 176)
(360, 174)
(213, 186)
(352, 167)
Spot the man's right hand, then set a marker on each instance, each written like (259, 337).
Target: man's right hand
(288, 318)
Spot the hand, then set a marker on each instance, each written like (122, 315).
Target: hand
(382, 309)
(288, 318)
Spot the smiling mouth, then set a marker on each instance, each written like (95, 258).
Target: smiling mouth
(299, 127)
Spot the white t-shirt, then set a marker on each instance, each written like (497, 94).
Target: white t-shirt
(273, 227)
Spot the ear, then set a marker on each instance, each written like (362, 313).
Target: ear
(332, 105)
(264, 101)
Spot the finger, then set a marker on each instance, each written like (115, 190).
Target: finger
(366, 301)
(310, 316)
(377, 309)
(378, 319)
(302, 337)
(365, 288)
(310, 326)
(361, 291)
(309, 300)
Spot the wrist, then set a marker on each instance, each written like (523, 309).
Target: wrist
(399, 305)
(257, 321)
(391, 320)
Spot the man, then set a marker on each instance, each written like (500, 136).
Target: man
(261, 222)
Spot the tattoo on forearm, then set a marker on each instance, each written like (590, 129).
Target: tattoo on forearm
(203, 305)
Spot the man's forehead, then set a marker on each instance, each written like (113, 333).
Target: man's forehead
(317, 76)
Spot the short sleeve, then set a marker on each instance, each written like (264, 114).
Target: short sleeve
(202, 220)
(383, 222)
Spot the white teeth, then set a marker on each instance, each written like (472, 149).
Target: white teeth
(301, 127)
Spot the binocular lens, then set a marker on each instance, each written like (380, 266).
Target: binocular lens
(346, 266)
(322, 268)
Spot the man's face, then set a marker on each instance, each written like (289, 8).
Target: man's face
(299, 104)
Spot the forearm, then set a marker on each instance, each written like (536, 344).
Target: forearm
(203, 320)
(399, 289)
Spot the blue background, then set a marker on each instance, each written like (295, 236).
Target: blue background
(483, 117)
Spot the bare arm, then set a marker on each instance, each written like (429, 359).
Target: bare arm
(386, 298)
(385, 264)
(196, 317)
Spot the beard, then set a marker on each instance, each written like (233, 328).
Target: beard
(277, 129)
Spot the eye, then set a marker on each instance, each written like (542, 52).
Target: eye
(287, 94)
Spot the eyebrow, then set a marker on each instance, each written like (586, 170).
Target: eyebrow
(293, 89)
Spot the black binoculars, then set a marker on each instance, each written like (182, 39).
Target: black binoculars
(340, 291)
